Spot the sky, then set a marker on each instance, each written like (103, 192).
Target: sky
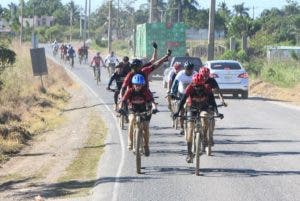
(255, 6)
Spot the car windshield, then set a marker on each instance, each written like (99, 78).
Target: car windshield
(225, 66)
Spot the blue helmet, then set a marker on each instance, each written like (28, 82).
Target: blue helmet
(138, 79)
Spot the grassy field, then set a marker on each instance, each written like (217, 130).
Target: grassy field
(25, 109)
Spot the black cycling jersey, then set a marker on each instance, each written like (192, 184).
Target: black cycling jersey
(212, 83)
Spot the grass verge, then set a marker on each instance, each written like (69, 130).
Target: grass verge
(84, 167)
(25, 110)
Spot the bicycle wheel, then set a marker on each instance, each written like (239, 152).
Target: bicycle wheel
(121, 121)
(209, 135)
(138, 150)
(98, 77)
(197, 152)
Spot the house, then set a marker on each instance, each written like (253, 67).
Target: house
(38, 21)
(4, 26)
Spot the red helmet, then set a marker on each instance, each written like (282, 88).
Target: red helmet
(177, 66)
(198, 79)
(205, 72)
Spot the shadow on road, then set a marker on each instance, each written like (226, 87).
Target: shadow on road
(253, 141)
(63, 188)
(176, 170)
(231, 172)
(253, 154)
(85, 107)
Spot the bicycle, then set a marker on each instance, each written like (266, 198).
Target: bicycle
(199, 138)
(140, 118)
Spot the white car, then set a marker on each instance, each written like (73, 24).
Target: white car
(230, 75)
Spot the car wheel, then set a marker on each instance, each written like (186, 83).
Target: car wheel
(245, 94)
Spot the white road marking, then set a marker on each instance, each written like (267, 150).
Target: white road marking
(121, 164)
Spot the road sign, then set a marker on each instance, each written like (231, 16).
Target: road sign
(38, 60)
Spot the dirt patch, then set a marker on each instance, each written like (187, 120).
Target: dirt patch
(269, 91)
(36, 169)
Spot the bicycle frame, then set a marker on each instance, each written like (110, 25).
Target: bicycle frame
(138, 137)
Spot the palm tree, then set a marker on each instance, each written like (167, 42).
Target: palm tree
(240, 10)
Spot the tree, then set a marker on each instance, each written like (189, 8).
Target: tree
(7, 58)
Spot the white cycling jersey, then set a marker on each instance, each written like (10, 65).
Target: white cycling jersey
(111, 59)
(171, 74)
(183, 80)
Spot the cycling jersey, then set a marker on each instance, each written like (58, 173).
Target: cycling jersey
(111, 60)
(212, 83)
(171, 76)
(119, 80)
(181, 81)
(137, 99)
(71, 52)
(198, 96)
(96, 60)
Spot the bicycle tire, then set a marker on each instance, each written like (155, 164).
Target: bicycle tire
(197, 153)
(138, 150)
(98, 77)
(121, 121)
(209, 138)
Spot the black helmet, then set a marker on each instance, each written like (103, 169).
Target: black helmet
(136, 64)
(126, 58)
(188, 65)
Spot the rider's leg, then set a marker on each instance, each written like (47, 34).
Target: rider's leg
(189, 139)
(181, 121)
(205, 124)
(169, 103)
(116, 95)
(130, 130)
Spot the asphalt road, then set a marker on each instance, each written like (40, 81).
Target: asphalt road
(255, 157)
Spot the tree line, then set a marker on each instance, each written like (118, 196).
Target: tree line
(273, 26)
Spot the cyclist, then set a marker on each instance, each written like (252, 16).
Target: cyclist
(197, 95)
(80, 52)
(139, 99)
(118, 76)
(85, 53)
(111, 61)
(124, 65)
(213, 84)
(137, 67)
(97, 60)
(171, 76)
(181, 81)
(71, 53)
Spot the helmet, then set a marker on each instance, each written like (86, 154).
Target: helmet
(126, 58)
(136, 64)
(205, 72)
(138, 79)
(198, 79)
(188, 65)
(177, 66)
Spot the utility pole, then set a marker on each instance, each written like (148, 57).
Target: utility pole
(21, 29)
(179, 12)
(89, 18)
(85, 21)
(118, 20)
(151, 13)
(211, 31)
(109, 25)
(71, 19)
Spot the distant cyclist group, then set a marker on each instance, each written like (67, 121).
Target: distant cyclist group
(190, 98)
